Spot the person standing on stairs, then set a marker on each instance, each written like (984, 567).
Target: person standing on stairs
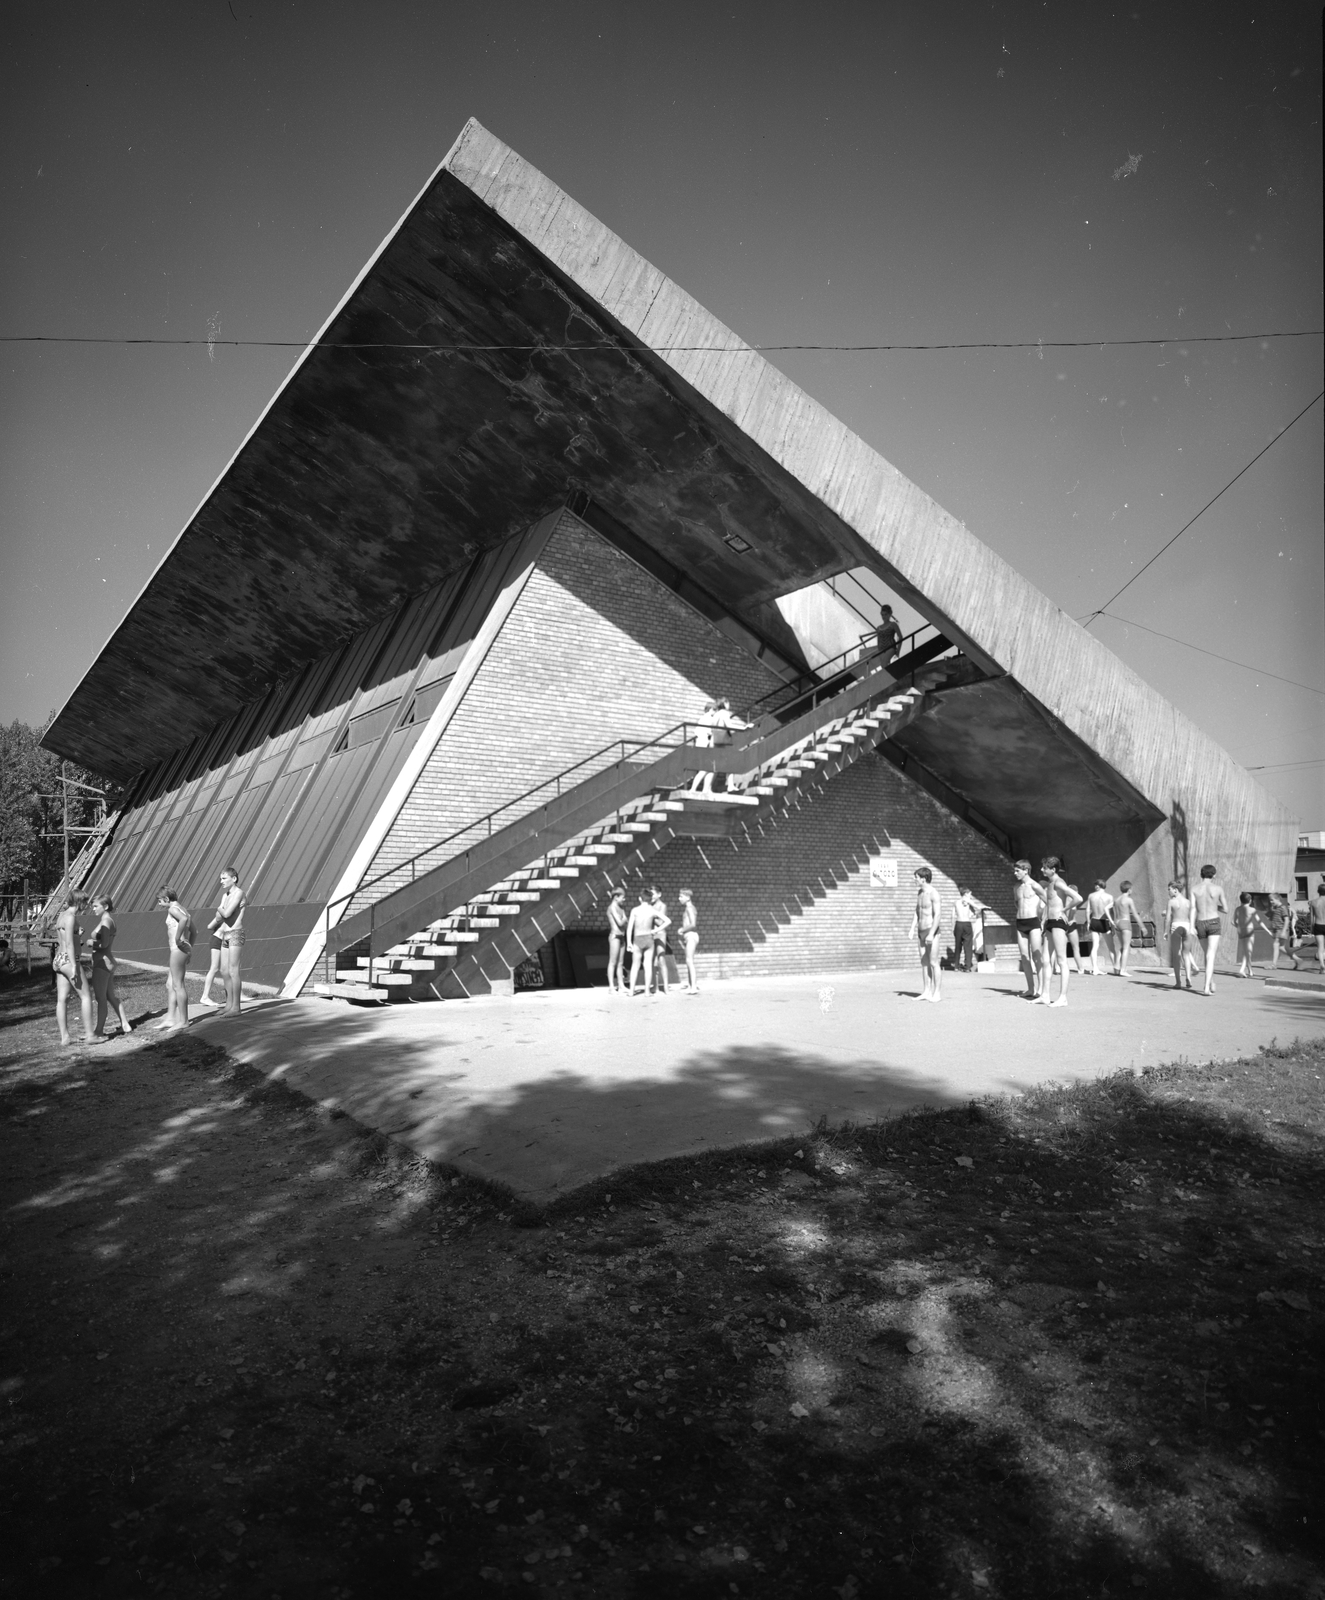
(639, 936)
(716, 722)
(925, 929)
(1210, 908)
(889, 636)
(616, 941)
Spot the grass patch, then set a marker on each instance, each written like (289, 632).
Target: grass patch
(1064, 1344)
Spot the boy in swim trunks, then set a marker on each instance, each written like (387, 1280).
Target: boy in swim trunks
(616, 941)
(660, 922)
(925, 929)
(1178, 932)
(1318, 923)
(1029, 901)
(1099, 906)
(66, 962)
(639, 936)
(228, 926)
(1059, 899)
(1246, 920)
(1210, 908)
(1124, 916)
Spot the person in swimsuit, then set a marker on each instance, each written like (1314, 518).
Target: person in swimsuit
(1283, 933)
(228, 926)
(888, 640)
(1318, 923)
(925, 929)
(689, 938)
(1246, 920)
(1059, 900)
(1076, 926)
(660, 923)
(1099, 908)
(1210, 908)
(67, 966)
(1029, 910)
(1124, 916)
(1178, 932)
(180, 934)
(639, 936)
(616, 941)
(103, 967)
(213, 971)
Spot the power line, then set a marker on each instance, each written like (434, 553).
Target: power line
(666, 349)
(1245, 665)
(1100, 610)
(1279, 766)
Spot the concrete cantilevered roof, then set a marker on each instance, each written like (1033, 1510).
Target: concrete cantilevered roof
(375, 471)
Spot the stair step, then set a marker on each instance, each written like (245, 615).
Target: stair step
(658, 814)
(637, 828)
(573, 861)
(493, 908)
(517, 897)
(392, 980)
(350, 991)
(459, 935)
(475, 922)
(616, 838)
(562, 872)
(663, 806)
(436, 949)
(542, 883)
(599, 849)
(728, 799)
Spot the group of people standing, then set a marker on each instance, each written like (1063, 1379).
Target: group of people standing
(643, 932)
(226, 929)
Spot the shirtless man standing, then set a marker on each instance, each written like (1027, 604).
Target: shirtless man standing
(1030, 898)
(66, 962)
(228, 926)
(1124, 914)
(1318, 923)
(1059, 899)
(925, 928)
(1099, 903)
(1210, 907)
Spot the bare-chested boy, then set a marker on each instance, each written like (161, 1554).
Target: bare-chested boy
(66, 962)
(925, 929)
(1029, 905)
(1246, 920)
(1099, 909)
(1125, 916)
(1209, 908)
(1059, 899)
(1318, 923)
(1178, 932)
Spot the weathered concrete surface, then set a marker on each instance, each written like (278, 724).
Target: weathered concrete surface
(546, 1092)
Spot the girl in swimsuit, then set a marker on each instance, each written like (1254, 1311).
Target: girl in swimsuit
(179, 947)
(1178, 931)
(103, 967)
(689, 938)
(616, 941)
(1059, 899)
(68, 968)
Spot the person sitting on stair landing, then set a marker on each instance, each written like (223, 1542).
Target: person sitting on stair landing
(715, 724)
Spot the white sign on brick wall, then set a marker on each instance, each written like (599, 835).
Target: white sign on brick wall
(883, 872)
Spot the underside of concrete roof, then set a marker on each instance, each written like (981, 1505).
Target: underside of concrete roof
(550, 361)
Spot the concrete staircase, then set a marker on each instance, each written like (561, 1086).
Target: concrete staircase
(476, 948)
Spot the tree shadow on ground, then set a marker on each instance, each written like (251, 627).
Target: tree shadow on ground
(1059, 1345)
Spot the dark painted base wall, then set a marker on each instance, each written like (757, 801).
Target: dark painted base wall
(275, 935)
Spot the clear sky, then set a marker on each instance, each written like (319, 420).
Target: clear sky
(831, 173)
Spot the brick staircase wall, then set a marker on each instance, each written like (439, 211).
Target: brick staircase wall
(791, 893)
(595, 647)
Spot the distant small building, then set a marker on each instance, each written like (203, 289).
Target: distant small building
(1310, 865)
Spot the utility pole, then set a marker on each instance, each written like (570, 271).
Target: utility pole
(64, 791)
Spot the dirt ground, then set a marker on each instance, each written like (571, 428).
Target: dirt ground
(1068, 1345)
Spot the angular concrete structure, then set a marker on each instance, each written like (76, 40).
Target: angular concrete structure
(503, 356)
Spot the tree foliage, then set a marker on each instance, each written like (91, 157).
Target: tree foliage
(31, 809)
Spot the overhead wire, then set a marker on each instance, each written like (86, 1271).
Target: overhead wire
(1100, 610)
(1187, 645)
(665, 349)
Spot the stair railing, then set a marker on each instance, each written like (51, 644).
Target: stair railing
(622, 749)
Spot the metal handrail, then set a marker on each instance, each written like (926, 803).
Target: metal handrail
(837, 664)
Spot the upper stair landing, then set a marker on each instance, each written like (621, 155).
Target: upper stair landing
(461, 926)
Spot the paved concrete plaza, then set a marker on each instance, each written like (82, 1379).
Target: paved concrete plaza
(547, 1091)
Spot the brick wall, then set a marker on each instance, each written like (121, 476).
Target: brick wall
(792, 892)
(595, 648)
